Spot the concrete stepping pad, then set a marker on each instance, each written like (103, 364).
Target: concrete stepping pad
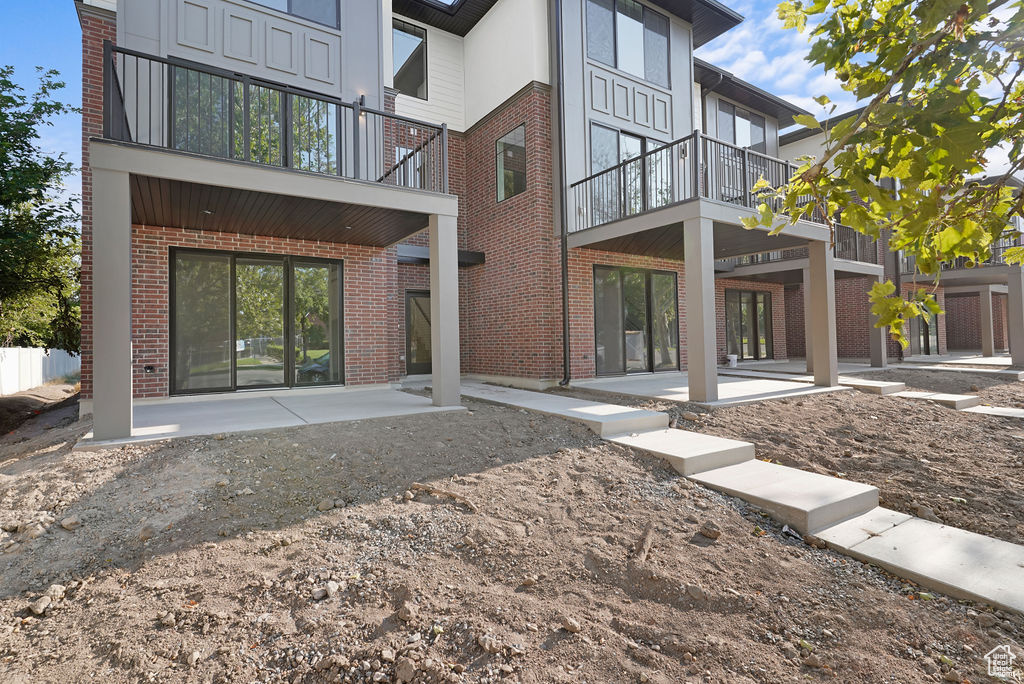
(1009, 374)
(1003, 411)
(956, 401)
(604, 419)
(870, 386)
(688, 452)
(806, 501)
(954, 561)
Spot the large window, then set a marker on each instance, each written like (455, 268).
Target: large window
(510, 163)
(748, 324)
(241, 320)
(614, 195)
(320, 11)
(629, 36)
(740, 127)
(409, 50)
(636, 320)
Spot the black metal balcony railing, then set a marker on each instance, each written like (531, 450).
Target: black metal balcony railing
(179, 105)
(847, 244)
(997, 258)
(691, 167)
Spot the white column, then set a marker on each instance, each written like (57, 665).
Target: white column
(823, 313)
(877, 340)
(987, 321)
(111, 305)
(808, 337)
(701, 337)
(444, 310)
(1015, 314)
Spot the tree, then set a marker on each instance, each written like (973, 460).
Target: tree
(942, 81)
(39, 263)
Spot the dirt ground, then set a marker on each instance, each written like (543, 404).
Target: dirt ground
(963, 469)
(15, 409)
(304, 555)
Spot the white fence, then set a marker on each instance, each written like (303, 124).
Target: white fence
(24, 368)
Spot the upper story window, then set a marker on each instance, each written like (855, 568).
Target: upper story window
(409, 50)
(320, 11)
(740, 127)
(629, 36)
(511, 163)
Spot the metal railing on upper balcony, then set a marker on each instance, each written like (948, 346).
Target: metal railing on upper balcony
(174, 104)
(847, 244)
(997, 257)
(691, 167)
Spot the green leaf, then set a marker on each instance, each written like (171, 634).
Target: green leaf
(807, 121)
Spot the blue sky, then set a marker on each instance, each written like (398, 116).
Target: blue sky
(46, 33)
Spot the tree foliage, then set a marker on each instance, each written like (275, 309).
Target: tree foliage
(39, 263)
(942, 82)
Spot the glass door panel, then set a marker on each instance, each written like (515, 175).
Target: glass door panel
(664, 321)
(634, 305)
(259, 322)
(417, 333)
(608, 321)
(316, 324)
(748, 326)
(201, 310)
(764, 325)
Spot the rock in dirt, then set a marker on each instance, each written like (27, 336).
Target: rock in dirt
(319, 594)
(571, 625)
(39, 606)
(408, 612)
(489, 643)
(387, 655)
(325, 505)
(71, 522)
(928, 514)
(789, 651)
(193, 658)
(147, 532)
(690, 416)
(696, 593)
(813, 660)
(168, 619)
(56, 591)
(405, 669)
(986, 620)
(332, 588)
(710, 530)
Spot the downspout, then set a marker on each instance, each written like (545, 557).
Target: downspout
(563, 210)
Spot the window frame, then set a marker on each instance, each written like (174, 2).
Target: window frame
(426, 60)
(526, 174)
(615, 43)
(337, 12)
(750, 114)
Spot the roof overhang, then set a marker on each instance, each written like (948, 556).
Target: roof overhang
(747, 94)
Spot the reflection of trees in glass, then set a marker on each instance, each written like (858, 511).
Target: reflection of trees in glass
(202, 320)
(265, 144)
(259, 300)
(201, 116)
(314, 130)
(312, 310)
(664, 320)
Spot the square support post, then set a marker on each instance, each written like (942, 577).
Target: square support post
(823, 313)
(1015, 313)
(808, 334)
(111, 305)
(876, 340)
(701, 337)
(987, 321)
(444, 310)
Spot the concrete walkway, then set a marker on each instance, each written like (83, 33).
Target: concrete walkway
(962, 359)
(732, 390)
(844, 514)
(862, 384)
(189, 416)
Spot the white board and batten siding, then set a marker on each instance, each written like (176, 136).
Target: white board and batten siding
(22, 368)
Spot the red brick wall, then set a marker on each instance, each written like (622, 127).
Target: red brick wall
(94, 31)
(940, 297)
(795, 330)
(853, 319)
(373, 333)
(1000, 310)
(511, 316)
(780, 349)
(963, 321)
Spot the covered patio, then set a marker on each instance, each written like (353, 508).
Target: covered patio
(191, 416)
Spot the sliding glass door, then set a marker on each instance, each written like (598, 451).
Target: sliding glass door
(748, 324)
(636, 321)
(248, 321)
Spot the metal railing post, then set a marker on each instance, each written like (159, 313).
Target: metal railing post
(444, 158)
(644, 200)
(246, 119)
(696, 163)
(746, 180)
(287, 112)
(356, 111)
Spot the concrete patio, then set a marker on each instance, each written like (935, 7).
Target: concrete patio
(732, 390)
(189, 416)
(963, 358)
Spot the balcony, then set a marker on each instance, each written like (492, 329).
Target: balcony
(847, 245)
(694, 167)
(198, 117)
(996, 258)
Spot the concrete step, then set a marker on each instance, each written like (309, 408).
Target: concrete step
(954, 561)
(1007, 373)
(604, 419)
(1002, 411)
(955, 401)
(803, 500)
(870, 386)
(688, 452)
